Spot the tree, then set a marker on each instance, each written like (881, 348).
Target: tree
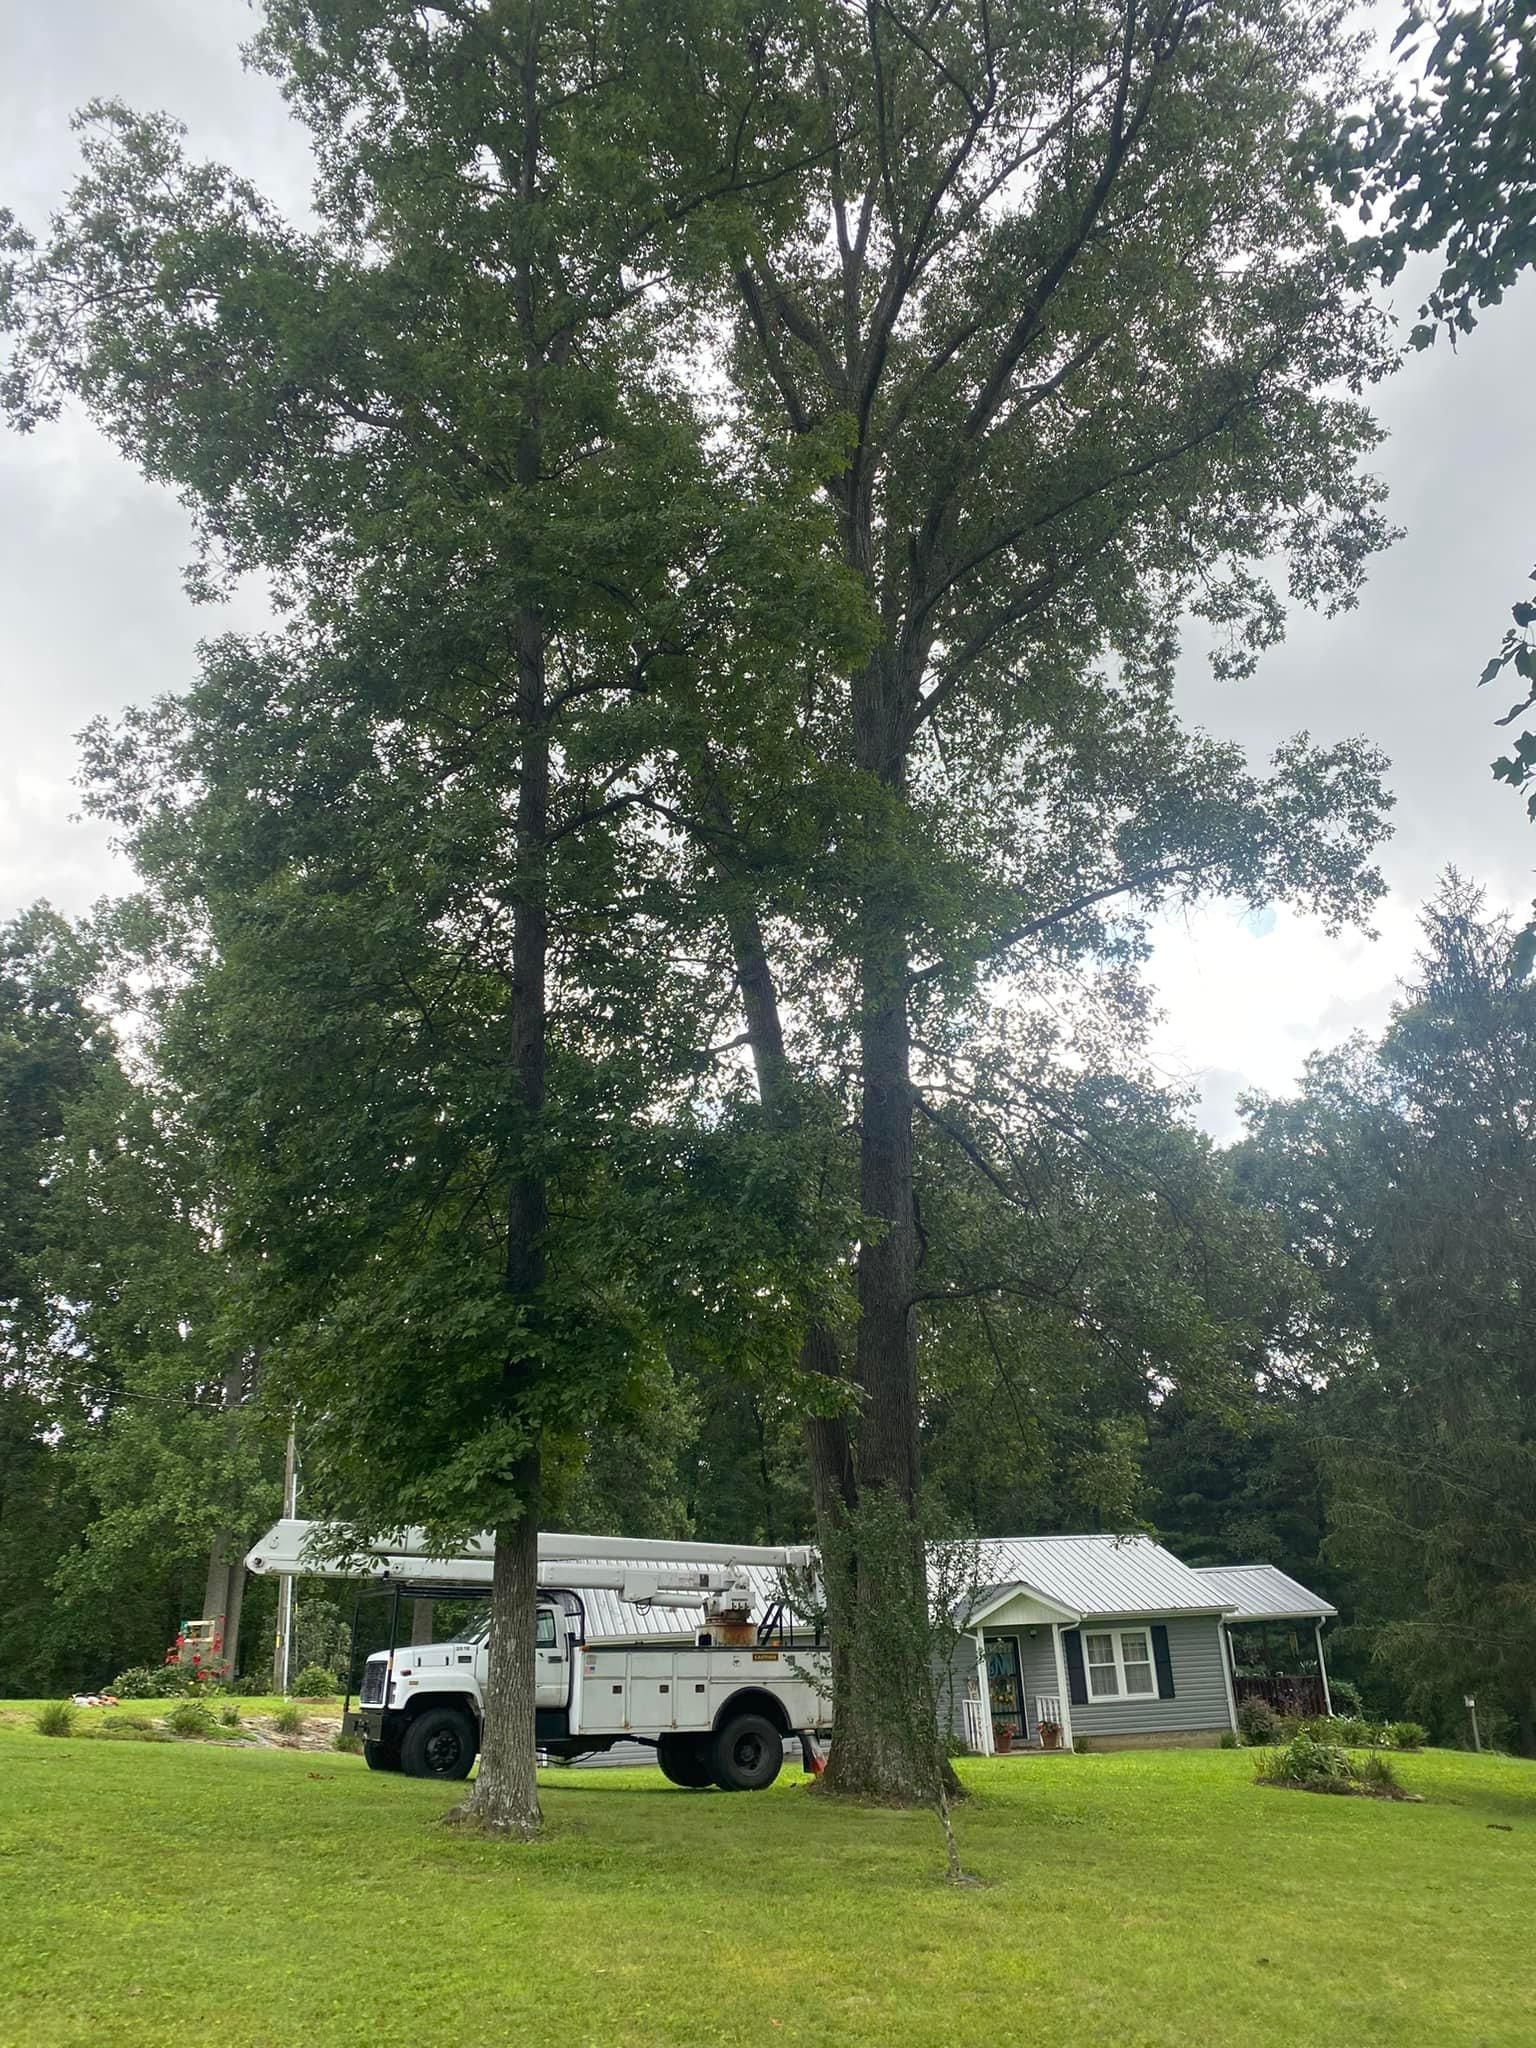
(1061, 318)
(1405, 1174)
(1449, 167)
(441, 423)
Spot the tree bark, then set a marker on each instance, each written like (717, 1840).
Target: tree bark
(216, 1587)
(421, 1621)
(505, 1797)
(236, 1600)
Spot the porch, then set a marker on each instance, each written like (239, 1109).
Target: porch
(1281, 1663)
(1015, 1699)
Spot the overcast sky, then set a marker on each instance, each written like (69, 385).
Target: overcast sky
(93, 617)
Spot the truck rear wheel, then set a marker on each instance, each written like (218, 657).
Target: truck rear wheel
(381, 1756)
(685, 1760)
(746, 1754)
(439, 1744)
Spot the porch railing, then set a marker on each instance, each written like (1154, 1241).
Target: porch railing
(1299, 1693)
(975, 1727)
(1047, 1708)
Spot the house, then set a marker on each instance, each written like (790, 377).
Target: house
(1113, 1639)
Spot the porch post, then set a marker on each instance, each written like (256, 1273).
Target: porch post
(1063, 1690)
(988, 1748)
(1322, 1666)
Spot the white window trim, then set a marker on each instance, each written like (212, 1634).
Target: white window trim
(1116, 1635)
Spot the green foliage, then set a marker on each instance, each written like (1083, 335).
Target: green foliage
(1405, 1175)
(289, 1719)
(1347, 1697)
(160, 1682)
(1229, 1740)
(56, 1718)
(190, 1718)
(229, 1715)
(1258, 1723)
(314, 1683)
(1407, 1734)
(1308, 1764)
(348, 1744)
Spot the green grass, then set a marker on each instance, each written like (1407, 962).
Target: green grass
(280, 1899)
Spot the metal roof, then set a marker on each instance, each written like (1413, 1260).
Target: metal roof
(1097, 1575)
(1090, 1576)
(1262, 1592)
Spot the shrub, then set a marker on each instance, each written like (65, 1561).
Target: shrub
(1345, 1695)
(130, 1728)
(1374, 1773)
(289, 1719)
(161, 1682)
(1348, 1731)
(1258, 1723)
(189, 1717)
(1407, 1735)
(352, 1745)
(314, 1683)
(229, 1714)
(1307, 1765)
(250, 1687)
(57, 1718)
(1229, 1740)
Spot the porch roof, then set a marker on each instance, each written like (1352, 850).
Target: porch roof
(1262, 1592)
(1012, 1601)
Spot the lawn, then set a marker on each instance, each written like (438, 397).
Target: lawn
(272, 1899)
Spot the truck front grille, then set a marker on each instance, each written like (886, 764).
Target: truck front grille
(372, 1694)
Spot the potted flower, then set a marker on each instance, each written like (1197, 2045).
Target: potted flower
(1002, 1737)
(1050, 1735)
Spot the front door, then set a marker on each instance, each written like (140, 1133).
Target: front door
(1005, 1685)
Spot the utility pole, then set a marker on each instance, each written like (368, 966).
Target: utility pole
(283, 1644)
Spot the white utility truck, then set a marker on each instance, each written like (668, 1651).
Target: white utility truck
(717, 1697)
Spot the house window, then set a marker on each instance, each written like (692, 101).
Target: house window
(1118, 1663)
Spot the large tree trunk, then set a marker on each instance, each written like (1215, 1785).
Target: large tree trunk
(237, 1578)
(216, 1586)
(505, 1797)
(886, 1743)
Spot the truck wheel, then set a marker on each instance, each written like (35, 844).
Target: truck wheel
(746, 1754)
(439, 1744)
(381, 1756)
(685, 1760)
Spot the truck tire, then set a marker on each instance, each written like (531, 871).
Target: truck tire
(746, 1754)
(381, 1756)
(439, 1744)
(685, 1760)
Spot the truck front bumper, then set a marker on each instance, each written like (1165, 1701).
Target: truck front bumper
(368, 1722)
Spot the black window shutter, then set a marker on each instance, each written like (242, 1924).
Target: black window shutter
(1077, 1684)
(1163, 1661)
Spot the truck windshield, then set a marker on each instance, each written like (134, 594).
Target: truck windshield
(475, 1630)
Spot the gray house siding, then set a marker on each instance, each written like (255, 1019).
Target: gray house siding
(1199, 1683)
(1039, 1659)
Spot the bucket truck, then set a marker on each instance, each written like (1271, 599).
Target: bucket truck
(716, 1698)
